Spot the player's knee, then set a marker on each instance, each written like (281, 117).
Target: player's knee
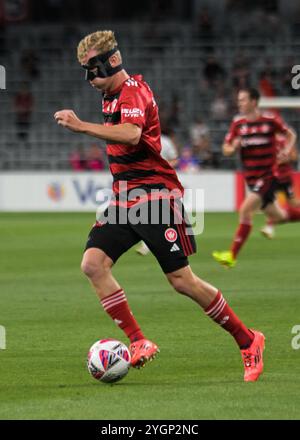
(89, 268)
(246, 215)
(178, 282)
(96, 265)
(95, 269)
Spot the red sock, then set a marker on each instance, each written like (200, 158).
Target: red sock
(270, 222)
(222, 314)
(240, 237)
(293, 214)
(117, 307)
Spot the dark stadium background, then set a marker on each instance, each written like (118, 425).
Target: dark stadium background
(194, 54)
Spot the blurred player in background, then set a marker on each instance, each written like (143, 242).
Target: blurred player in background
(169, 153)
(253, 134)
(132, 131)
(284, 175)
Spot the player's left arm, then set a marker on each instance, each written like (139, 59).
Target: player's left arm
(126, 133)
(286, 153)
(291, 138)
(294, 154)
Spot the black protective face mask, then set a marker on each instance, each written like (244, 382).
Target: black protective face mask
(99, 66)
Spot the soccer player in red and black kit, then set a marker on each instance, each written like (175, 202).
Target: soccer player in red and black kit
(284, 175)
(132, 131)
(253, 133)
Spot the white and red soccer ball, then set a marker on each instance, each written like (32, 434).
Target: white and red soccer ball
(108, 360)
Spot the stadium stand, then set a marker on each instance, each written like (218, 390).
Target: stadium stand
(171, 56)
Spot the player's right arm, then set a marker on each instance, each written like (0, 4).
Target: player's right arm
(232, 141)
(125, 133)
(230, 148)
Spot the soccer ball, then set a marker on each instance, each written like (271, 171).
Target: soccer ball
(108, 360)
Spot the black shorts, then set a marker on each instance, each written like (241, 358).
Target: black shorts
(266, 188)
(167, 233)
(286, 187)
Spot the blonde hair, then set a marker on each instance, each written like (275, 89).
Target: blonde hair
(101, 41)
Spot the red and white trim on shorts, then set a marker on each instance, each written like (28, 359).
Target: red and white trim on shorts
(181, 228)
(113, 300)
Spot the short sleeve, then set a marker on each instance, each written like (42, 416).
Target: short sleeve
(231, 134)
(132, 106)
(280, 125)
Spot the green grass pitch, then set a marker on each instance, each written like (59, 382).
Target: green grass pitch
(52, 317)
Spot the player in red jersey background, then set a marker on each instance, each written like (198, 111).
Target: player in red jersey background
(132, 131)
(284, 175)
(253, 133)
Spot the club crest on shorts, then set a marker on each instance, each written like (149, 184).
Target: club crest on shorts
(258, 184)
(171, 235)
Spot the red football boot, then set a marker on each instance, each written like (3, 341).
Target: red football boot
(142, 351)
(253, 357)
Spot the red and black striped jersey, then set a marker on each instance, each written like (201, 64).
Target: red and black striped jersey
(140, 166)
(258, 144)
